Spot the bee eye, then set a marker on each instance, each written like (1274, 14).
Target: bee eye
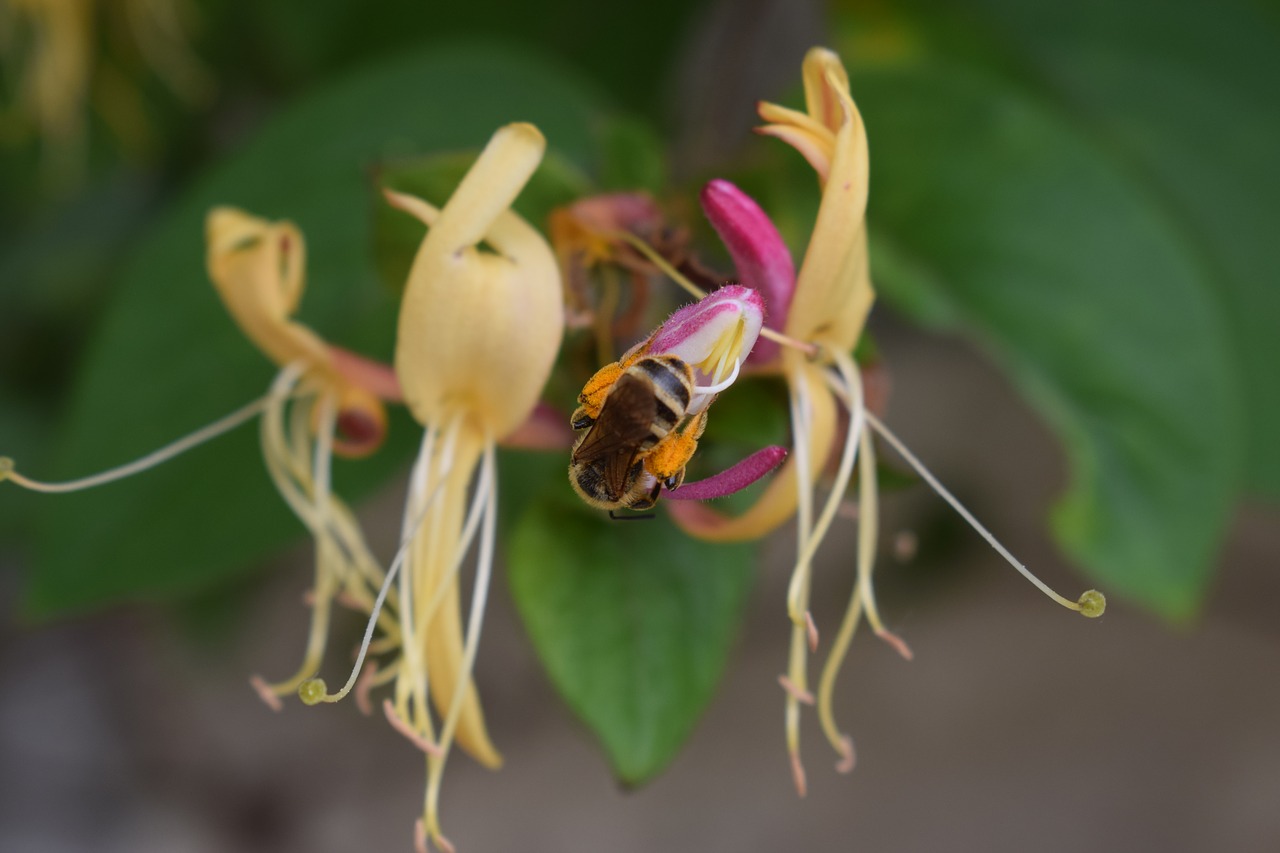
(582, 422)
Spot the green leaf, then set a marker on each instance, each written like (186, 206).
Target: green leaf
(632, 619)
(1076, 276)
(1183, 98)
(167, 359)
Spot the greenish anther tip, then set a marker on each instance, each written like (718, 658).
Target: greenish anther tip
(312, 691)
(1092, 603)
(6, 468)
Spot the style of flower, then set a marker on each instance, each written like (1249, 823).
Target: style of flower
(814, 319)
(480, 324)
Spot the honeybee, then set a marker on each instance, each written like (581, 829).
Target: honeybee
(637, 437)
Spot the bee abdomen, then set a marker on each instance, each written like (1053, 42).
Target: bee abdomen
(672, 380)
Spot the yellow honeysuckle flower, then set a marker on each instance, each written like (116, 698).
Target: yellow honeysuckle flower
(816, 317)
(480, 324)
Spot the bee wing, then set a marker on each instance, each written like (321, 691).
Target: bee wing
(625, 421)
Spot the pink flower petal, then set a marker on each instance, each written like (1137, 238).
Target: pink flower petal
(546, 428)
(762, 259)
(373, 376)
(733, 479)
(693, 331)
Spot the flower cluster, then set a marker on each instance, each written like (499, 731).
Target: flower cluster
(481, 322)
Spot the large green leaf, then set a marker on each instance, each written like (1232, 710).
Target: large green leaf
(632, 619)
(167, 359)
(993, 210)
(1182, 95)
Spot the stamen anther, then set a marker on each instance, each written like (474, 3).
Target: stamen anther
(790, 686)
(899, 644)
(797, 775)
(363, 687)
(389, 709)
(266, 694)
(847, 756)
(6, 468)
(813, 630)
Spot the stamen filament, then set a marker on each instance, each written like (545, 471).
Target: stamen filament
(1091, 602)
(156, 457)
(850, 392)
(396, 563)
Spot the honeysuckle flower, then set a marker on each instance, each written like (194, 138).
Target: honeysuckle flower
(325, 401)
(480, 324)
(817, 315)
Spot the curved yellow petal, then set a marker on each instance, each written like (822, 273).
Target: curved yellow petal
(258, 268)
(833, 288)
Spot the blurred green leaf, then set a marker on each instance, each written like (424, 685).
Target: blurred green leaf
(632, 157)
(167, 359)
(1181, 96)
(998, 211)
(632, 619)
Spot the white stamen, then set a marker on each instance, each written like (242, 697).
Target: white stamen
(156, 457)
(396, 563)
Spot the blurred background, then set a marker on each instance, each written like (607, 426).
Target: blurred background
(1069, 226)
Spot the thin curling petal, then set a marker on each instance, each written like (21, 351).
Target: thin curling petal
(732, 479)
(258, 269)
(761, 258)
(833, 290)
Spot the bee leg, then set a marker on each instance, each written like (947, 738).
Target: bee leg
(667, 460)
(591, 400)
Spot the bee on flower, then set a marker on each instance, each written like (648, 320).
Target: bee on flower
(814, 319)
